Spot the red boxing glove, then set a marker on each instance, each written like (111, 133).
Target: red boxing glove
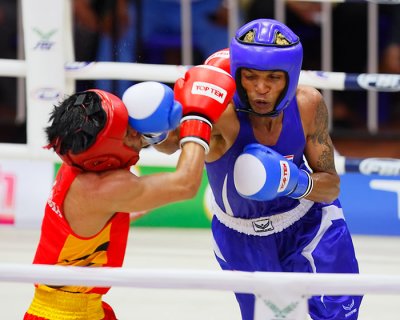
(204, 93)
(220, 59)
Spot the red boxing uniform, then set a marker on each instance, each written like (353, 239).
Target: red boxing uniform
(59, 245)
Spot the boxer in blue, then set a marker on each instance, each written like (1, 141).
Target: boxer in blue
(271, 170)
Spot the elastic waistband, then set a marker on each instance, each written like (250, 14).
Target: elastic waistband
(60, 305)
(263, 226)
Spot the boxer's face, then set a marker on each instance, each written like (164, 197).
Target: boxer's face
(263, 88)
(133, 139)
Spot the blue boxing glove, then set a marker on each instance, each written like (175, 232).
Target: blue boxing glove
(152, 110)
(262, 174)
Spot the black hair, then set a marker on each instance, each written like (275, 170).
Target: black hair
(75, 123)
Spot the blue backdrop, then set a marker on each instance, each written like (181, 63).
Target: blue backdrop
(371, 204)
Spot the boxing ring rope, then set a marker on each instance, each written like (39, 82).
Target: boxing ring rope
(353, 1)
(273, 291)
(169, 74)
(280, 288)
(48, 45)
(237, 281)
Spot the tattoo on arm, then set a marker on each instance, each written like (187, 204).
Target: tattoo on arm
(322, 140)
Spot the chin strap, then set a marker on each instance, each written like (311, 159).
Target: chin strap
(271, 114)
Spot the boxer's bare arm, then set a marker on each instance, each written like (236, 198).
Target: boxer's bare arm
(122, 191)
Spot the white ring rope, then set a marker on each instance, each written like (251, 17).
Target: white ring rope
(237, 281)
(104, 70)
(367, 166)
(343, 164)
(355, 1)
(170, 73)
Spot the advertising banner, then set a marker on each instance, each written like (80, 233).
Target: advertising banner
(371, 203)
(186, 214)
(24, 188)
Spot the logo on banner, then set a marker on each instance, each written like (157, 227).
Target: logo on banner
(380, 82)
(319, 74)
(389, 186)
(77, 65)
(382, 166)
(7, 197)
(45, 42)
(46, 94)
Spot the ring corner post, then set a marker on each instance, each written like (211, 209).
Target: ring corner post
(43, 23)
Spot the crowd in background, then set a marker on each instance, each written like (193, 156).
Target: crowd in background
(150, 32)
(349, 46)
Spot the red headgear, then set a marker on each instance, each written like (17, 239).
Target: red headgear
(109, 150)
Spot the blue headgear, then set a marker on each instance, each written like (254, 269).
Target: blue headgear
(266, 44)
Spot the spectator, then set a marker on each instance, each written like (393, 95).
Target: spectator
(161, 38)
(104, 31)
(10, 131)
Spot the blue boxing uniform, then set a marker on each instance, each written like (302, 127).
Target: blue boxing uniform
(283, 234)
